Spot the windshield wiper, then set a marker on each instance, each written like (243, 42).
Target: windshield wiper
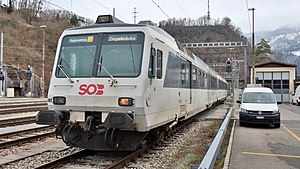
(65, 73)
(113, 80)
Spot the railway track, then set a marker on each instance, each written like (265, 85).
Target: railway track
(110, 160)
(18, 108)
(74, 157)
(24, 136)
(16, 121)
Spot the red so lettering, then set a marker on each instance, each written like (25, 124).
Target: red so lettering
(91, 89)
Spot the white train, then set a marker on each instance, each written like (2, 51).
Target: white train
(115, 86)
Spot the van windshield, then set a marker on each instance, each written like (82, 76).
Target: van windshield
(259, 97)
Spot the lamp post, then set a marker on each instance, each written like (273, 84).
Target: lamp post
(1, 63)
(43, 63)
(253, 54)
(29, 75)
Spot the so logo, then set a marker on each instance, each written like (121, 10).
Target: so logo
(91, 89)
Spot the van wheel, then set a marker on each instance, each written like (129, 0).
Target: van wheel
(298, 103)
(277, 125)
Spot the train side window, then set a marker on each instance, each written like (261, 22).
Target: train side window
(195, 78)
(205, 81)
(159, 64)
(151, 69)
(183, 73)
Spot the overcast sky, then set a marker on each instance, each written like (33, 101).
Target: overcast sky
(269, 14)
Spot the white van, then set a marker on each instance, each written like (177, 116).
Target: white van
(259, 105)
(296, 96)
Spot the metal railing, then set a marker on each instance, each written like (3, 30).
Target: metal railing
(211, 155)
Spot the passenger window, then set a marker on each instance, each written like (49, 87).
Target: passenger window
(195, 78)
(183, 73)
(159, 64)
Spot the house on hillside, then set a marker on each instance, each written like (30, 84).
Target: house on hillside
(21, 83)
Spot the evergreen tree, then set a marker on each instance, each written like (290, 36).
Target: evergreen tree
(74, 20)
(263, 48)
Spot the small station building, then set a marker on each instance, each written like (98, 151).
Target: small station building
(278, 76)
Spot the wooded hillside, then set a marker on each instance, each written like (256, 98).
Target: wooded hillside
(23, 35)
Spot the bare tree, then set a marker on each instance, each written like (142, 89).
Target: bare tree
(30, 9)
(278, 56)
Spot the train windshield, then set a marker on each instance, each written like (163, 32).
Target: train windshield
(77, 56)
(121, 55)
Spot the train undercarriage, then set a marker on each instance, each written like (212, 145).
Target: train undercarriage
(94, 135)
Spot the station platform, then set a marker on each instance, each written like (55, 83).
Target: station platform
(219, 113)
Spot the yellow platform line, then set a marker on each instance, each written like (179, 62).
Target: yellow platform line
(293, 134)
(271, 155)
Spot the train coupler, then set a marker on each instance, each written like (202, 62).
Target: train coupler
(88, 123)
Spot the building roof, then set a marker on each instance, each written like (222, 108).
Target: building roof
(275, 64)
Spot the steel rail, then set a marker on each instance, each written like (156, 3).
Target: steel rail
(116, 165)
(25, 109)
(146, 148)
(25, 139)
(17, 121)
(23, 132)
(62, 160)
(5, 106)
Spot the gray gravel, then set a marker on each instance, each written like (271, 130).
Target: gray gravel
(176, 152)
(37, 160)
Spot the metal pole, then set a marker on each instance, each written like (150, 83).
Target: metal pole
(32, 82)
(253, 54)
(134, 15)
(1, 63)
(245, 63)
(43, 63)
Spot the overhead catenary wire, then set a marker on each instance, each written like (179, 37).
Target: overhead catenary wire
(161, 9)
(60, 7)
(181, 8)
(249, 22)
(109, 9)
(57, 6)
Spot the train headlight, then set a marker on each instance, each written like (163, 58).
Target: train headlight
(126, 101)
(59, 100)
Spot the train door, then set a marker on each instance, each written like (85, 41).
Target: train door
(185, 94)
(206, 77)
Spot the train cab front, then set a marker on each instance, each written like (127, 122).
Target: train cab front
(96, 79)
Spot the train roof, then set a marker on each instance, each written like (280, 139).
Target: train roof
(153, 28)
(124, 25)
